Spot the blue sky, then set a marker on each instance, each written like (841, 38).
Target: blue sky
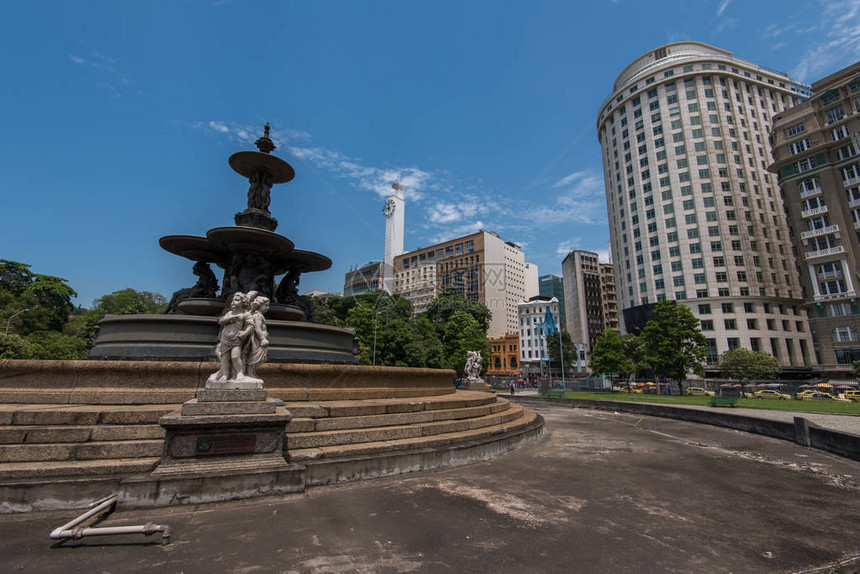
(119, 118)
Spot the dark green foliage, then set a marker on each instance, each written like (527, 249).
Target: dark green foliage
(436, 339)
(46, 298)
(744, 365)
(674, 342)
(554, 350)
(450, 301)
(122, 302)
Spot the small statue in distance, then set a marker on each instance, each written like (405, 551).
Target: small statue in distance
(473, 365)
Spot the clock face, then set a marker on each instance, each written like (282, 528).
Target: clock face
(388, 208)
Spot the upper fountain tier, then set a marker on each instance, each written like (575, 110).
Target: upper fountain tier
(250, 253)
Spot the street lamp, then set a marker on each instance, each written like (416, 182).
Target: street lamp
(9, 321)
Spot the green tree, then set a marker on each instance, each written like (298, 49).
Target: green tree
(856, 365)
(636, 350)
(674, 342)
(449, 302)
(554, 351)
(462, 333)
(610, 357)
(123, 302)
(363, 319)
(746, 365)
(324, 314)
(14, 346)
(46, 298)
(428, 339)
(53, 345)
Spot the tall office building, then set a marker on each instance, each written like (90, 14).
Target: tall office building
(816, 149)
(694, 215)
(481, 267)
(589, 297)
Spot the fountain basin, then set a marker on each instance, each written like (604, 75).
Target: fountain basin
(178, 337)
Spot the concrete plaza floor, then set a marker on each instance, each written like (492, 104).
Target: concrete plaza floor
(601, 492)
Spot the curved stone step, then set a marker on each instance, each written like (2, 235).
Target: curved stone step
(55, 415)
(21, 434)
(344, 463)
(394, 419)
(386, 433)
(80, 451)
(361, 407)
(55, 469)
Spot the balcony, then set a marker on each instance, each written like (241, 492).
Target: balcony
(815, 211)
(854, 203)
(831, 296)
(810, 192)
(823, 231)
(851, 181)
(824, 252)
(824, 276)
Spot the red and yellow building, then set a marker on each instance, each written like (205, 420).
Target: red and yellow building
(505, 359)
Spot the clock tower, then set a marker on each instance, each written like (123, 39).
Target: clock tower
(393, 210)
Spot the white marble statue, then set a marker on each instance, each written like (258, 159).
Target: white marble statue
(473, 364)
(243, 343)
(257, 343)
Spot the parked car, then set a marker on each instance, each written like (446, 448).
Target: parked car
(700, 392)
(770, 394)
(819, 396)
(853, 395)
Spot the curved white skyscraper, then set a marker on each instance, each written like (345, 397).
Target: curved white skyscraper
(694, 214)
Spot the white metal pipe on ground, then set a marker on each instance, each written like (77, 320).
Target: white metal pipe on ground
(69, 531)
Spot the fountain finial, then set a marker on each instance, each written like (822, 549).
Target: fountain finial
(264, 144)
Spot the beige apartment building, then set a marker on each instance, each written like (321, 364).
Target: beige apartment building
(482, 267)
(589, 297)
(816, 149)
(694, 214)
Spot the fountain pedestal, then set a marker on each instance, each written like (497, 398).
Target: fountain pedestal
(242, 424)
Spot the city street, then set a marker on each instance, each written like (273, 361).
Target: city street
(601, 492)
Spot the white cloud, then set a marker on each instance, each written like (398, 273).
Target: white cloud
(459, 231)
(582, 200)
(602, 255)
(447, 212)
(839, 28)
(107, 76)
(566, 247)
(722, 7)
(219, 127)
(375, 179)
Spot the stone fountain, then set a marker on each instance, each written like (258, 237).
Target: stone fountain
(251, 256)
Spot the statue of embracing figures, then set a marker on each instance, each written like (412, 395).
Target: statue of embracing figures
(244, 340)
(473, 365)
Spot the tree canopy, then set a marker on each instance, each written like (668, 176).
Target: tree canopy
(745, 365)
(450, 301)
(438, 338)
(609, 355)
(674, 343)
(554, 351)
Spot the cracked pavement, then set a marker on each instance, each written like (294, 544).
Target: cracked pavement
(601, 492)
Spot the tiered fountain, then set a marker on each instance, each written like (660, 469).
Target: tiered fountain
(252, 255)
(158, 428)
